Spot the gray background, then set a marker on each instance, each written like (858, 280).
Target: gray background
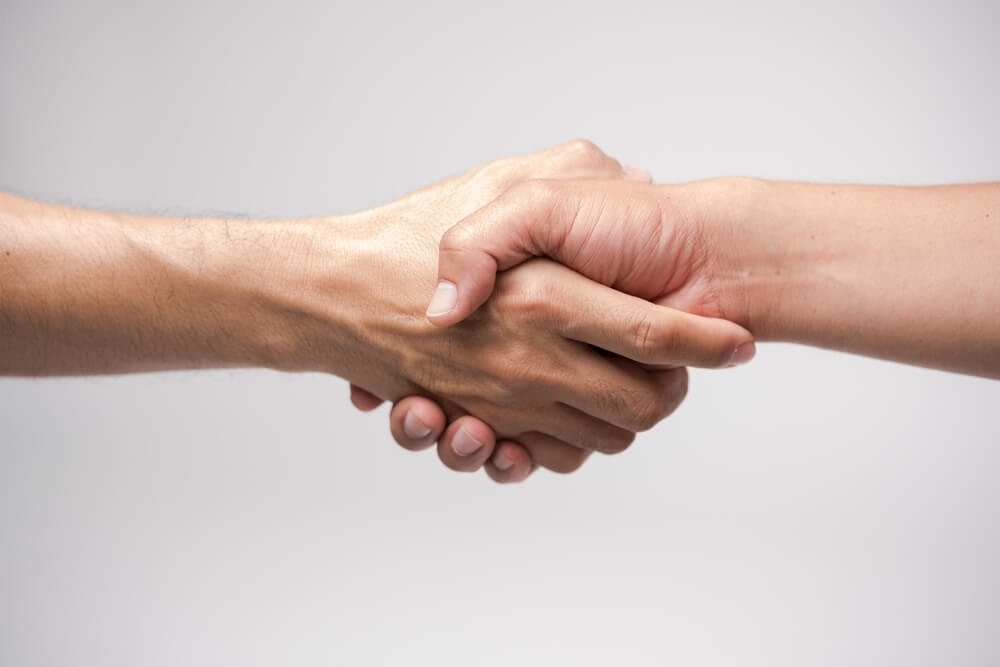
(812, 508)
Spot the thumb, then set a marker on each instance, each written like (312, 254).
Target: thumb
(526, 221)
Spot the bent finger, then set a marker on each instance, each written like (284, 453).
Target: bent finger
(510, 463)
(581, 159)
(467, 443)
(416, 422)
(673, 383)
(553, 454)
(364, 400)
(649, 333)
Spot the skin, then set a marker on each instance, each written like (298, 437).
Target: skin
(901, 273)
(87, 292)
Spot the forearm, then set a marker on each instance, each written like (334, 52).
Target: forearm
(904, 273)
(86, 292)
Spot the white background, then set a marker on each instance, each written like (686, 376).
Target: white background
(810, 509)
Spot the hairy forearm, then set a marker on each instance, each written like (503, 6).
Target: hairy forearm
(87, 292)
(904, 273)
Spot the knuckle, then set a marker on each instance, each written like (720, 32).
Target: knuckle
(585, 152)
(517, 373)
(502, 173)
(674, 391)
(523, 299)
(678, 392)
(665, 399)
(650, 337)
(640, 332)
(458, 237)
(647, 411)
(496, 167)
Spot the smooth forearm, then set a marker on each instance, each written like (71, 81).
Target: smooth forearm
(904, 273)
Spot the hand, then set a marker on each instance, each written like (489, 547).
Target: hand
(524, 363)
(646, 240)
(510, 463)
(900, 273)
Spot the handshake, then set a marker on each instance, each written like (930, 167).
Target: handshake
(524, 314)
(555, 358)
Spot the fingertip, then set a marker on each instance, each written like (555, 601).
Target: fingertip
(743, 353)
(445, 319)
(445, 307)
(468, 260)
(703, 342)
(510, 463)
(364, 400)
(466, 444)
(739, 349)
(443, 301)
(477, 429)
(444, 311)
(416, 422)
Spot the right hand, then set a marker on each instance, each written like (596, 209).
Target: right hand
(526, 365)
(647, 240)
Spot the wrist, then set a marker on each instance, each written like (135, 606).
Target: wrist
(765, 259)
(790, 258)
(306, 285)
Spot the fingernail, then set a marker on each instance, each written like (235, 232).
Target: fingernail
(502, 462)
(464, 444)
(742, 354)
(637, 174)
(414, 428)
(444, 299)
